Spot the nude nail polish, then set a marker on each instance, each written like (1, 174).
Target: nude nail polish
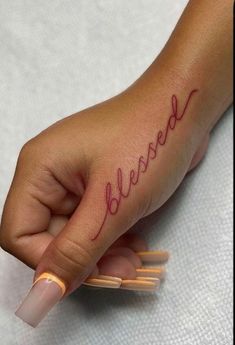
(103, 283)
(138, 285)
(158, 256)
(112, 278)
(44, 294)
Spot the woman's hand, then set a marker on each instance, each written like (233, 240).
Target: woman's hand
(116, 162)
(104, 169)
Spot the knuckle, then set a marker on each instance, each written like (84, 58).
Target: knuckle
(28, 150)
(6, 241)
(3, 244)
(67, 253)
(9, 239)
(5, 238)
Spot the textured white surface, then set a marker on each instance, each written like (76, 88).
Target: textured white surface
(57, 57)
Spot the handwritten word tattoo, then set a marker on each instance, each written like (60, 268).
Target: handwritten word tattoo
(113, 202)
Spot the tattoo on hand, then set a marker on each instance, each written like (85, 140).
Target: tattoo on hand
(113, 202)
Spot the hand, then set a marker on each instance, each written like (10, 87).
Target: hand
(116, 162)
(80, 168)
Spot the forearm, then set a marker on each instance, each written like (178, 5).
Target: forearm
(197, 55)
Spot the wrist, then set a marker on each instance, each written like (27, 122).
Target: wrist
(152, 91)
(155, 95)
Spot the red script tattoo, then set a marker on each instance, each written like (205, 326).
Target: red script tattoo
(113, 202)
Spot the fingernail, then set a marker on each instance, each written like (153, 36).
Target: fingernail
(157, 256)
(115, 279)
(151, 279)
(102, 283)
(46, 291)
(138, 285)
(155, 272)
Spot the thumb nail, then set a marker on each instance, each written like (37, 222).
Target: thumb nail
(46, 291)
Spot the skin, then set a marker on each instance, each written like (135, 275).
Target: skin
(65, 168)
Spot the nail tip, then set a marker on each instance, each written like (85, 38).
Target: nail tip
(17, 314)
(42, 297)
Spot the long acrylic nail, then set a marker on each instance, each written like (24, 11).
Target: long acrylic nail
(151, 279)
(158, 256)
(46, 291)
(104, 283)
(156, 272)
(138, 285)
(112, 278)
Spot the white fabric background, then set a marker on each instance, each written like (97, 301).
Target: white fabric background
(57, 57)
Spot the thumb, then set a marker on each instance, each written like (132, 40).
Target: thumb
(72, 255)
